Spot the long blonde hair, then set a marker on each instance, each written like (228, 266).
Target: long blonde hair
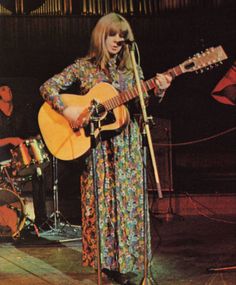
(109, 23)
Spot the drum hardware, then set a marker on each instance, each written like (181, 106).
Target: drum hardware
(4, 163)
(29, 155)
(59, 225)
(9, 180)
(27, 158)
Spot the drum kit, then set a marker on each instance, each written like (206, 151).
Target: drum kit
(26, 158)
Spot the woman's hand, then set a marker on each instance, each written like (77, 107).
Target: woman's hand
(76, 116)
(163, 81)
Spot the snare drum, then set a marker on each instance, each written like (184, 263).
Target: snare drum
(28, 156)
(12, 214)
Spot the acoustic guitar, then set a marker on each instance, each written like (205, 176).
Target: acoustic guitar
(105, 102)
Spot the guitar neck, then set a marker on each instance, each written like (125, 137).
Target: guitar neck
(146, 86)
(210, 57)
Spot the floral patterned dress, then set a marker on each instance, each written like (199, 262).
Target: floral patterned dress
(119, 177)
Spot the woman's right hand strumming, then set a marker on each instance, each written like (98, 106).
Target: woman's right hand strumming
(76, 116)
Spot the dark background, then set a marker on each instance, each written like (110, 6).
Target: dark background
(33, 48)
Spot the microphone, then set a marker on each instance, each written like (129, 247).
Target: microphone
(125, 42)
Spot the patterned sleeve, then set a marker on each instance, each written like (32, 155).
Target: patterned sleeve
(51, 89)
(145, 95)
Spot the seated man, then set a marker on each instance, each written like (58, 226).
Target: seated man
(12, 134)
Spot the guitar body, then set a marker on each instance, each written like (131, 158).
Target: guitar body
(61, 140)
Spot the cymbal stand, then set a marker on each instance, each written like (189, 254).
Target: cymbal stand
(56, 213)
(146, 279)
(60, 223)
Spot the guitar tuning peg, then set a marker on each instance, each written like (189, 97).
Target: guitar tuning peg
(201, 71)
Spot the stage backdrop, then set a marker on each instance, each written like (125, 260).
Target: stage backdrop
(40, 45)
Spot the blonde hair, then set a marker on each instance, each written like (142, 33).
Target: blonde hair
(110, 23)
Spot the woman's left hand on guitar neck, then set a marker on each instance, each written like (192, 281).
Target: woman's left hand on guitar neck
(163, 81)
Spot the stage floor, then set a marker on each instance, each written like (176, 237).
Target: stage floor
(184, 248)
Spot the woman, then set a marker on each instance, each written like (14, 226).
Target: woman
(119, 160)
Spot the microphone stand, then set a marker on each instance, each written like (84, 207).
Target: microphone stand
(146, 120)
(95, 118)
(146, 140)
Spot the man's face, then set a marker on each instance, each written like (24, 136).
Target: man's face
(5, 93)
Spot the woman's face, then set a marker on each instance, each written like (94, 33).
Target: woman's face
(112, 43)
(5, 93)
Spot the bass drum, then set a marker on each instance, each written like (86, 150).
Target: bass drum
(12, 214)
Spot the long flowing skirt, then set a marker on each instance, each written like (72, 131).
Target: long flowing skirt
(120, 193)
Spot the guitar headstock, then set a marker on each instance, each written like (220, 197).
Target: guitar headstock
(205, 60)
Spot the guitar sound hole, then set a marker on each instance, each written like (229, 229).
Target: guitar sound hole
(101, 109)
(109, 119)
